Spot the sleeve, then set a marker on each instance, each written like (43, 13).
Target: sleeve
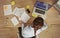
(44, 27)
(22, 26)
(27, 31)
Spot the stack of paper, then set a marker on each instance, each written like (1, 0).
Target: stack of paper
(7, 9)
(14, 21)
(21, 13)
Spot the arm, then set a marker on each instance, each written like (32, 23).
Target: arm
(42, 29)
(21, 22)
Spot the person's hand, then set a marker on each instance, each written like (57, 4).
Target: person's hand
(20, 21)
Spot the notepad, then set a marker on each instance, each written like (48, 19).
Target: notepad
(14, 21)
(7, 9)
(25, 17)
(18, 11)
(13, 3)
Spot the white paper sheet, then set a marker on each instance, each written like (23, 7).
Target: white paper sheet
(15, 21)
(43, 16)
(18, 11)
(58, 2)
(25, 17)
(7, 9)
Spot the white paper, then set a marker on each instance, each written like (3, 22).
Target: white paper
(18, 11)
(14, 21)
(7, 9)
(25, 17)
(58, 2)
(43, 16)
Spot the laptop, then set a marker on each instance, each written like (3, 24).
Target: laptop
(40, 8)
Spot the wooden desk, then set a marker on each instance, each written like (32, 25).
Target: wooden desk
(53, 21)
(5, 20)
(5, 23)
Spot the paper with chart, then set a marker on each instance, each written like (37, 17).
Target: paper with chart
(14, 21)
(18, 11)
(25, 17)
(7, 9)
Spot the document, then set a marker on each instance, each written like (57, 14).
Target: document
(14, 21)
(18, 11)
(21, 13)
(7, 9)
(25, 17)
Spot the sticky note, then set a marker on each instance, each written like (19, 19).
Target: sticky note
(34, 15)
(14, 21)
(13, 3)
(28, 6)
(7, 9)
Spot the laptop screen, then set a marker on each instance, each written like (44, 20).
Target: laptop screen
(42, 5)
